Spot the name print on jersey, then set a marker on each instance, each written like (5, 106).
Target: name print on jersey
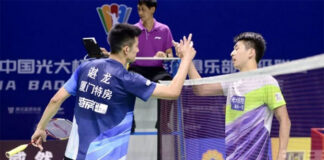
(95, 90)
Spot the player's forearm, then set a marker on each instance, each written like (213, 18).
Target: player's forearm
(176, 84)
(204, 89)
(284, 133)
(193, 73)
(52, 108)
(48, 114)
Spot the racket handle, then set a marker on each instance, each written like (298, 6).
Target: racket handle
(16, 150)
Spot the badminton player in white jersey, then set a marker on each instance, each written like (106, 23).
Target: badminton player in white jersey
(250, 104)
(105, 95)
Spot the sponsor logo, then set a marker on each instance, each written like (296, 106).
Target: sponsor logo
(25, 110)
(148, 82)
(237, 103)
(113, 14)
(212, 154)
(93, 105)
(11, 110)
(157, 37)
(60, 111)
(299, 155)
(278, 97)
(19, 156)
(47, 155)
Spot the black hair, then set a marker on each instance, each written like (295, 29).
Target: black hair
(253, 40)
(122, 35)
(148, 3)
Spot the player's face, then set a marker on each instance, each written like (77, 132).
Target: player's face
(240, 55)
(133, 50)
(144, 12)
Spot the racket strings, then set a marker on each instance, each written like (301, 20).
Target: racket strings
(59, 128)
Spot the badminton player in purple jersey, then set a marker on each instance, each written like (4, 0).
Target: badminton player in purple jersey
(251, 104)
(105, 95)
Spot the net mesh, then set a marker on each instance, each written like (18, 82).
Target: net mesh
(193, 127)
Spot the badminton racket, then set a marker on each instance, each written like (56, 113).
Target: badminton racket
(57, 128)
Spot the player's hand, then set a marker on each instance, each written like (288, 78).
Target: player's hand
(38, 138)
(176, 45)
(160, 54)
(185, 49)
(281, 155)
(105, 52)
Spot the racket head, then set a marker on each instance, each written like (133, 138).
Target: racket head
(59, 128)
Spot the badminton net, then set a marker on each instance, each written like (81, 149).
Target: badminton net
(193, 127)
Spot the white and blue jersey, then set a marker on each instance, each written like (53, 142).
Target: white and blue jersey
(105, 95)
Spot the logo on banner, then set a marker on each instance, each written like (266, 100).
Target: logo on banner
(25, 110)
(212, 154)
(61, 111)
(47, 155)
(19, 156)
(113, 14)
(11, 110)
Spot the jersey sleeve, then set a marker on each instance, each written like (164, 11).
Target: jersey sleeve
(225, 86)
(273, 94)
(71, 85)
(138, 85)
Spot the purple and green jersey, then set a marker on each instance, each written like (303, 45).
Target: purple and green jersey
(249, 113)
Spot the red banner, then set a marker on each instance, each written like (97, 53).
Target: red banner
(53, 150)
